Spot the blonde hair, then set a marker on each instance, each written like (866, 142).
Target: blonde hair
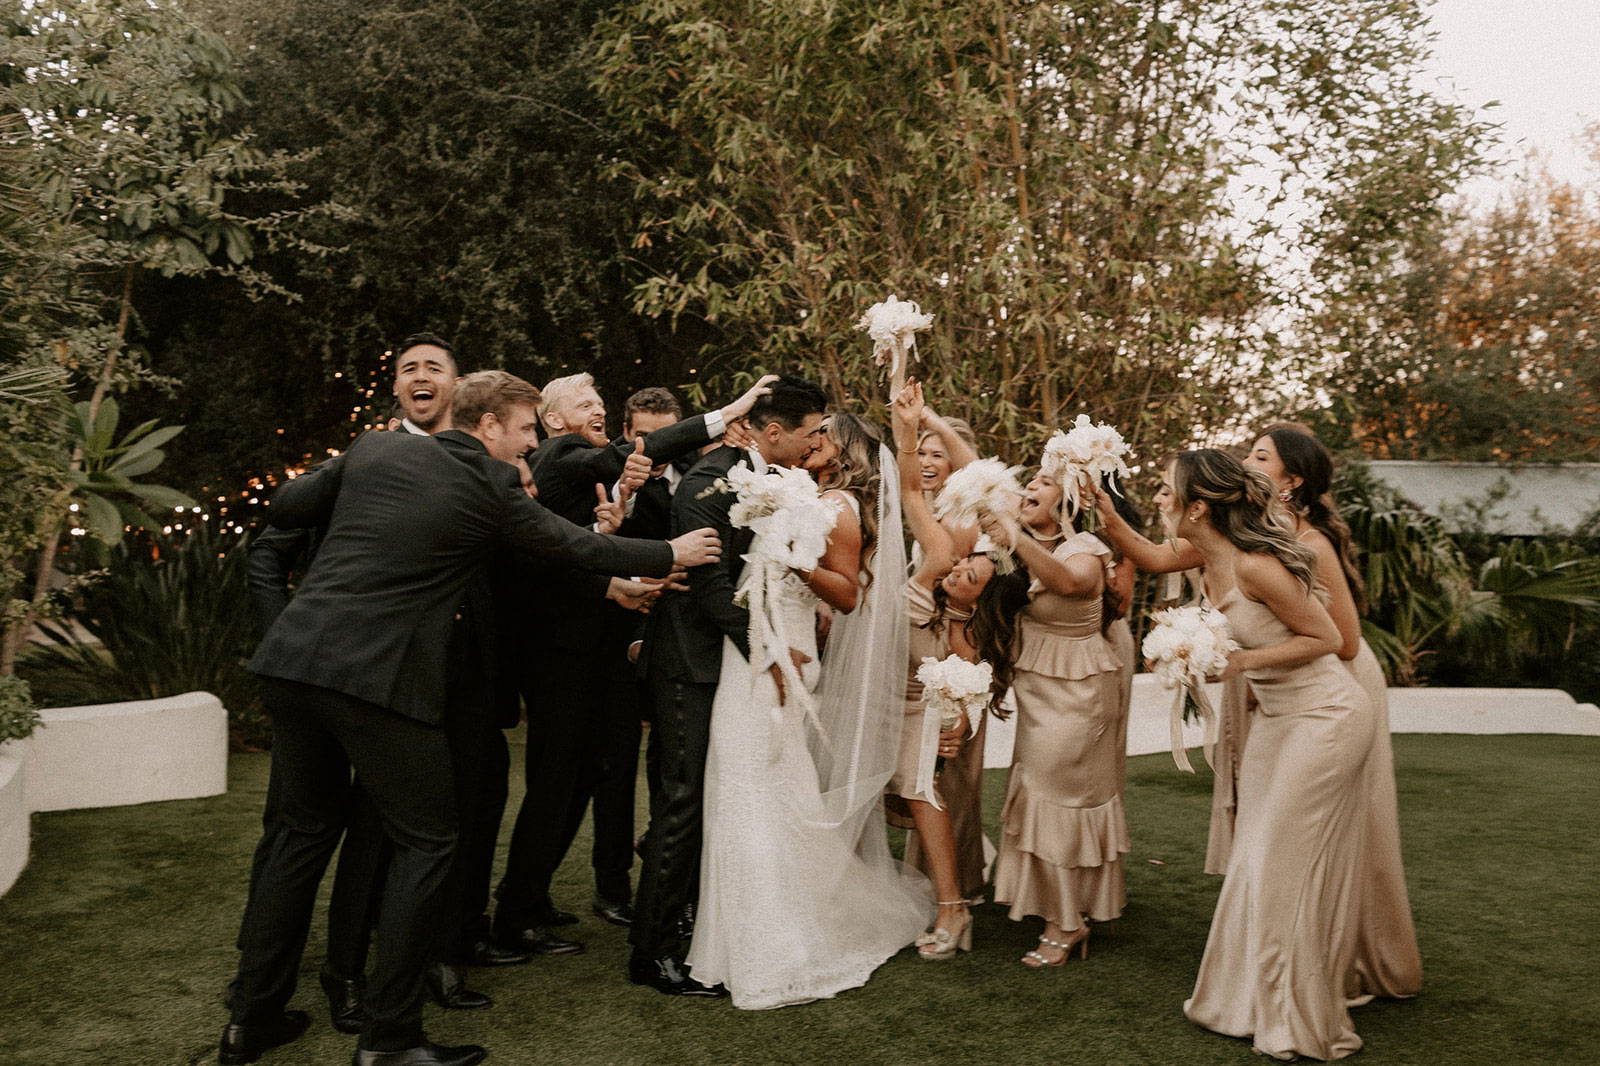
(488, 392)
(1240, 502)
(557, 392)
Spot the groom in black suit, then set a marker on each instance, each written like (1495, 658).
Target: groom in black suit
(565, 662)
(356, 674)
(682, 658)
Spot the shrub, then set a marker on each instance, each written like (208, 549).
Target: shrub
(18, 719)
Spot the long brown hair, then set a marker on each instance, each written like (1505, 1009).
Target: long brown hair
(994, 631)
(1308, 459)
(1240, 501)
(857, 472)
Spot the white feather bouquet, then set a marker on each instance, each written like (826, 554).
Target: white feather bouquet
(1184, 647)
(983, 487)
(1091, 449)
(893, 326)
(782, 507)
(954, 692)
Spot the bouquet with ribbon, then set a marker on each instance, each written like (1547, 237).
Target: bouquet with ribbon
(1184, 647)
(955, 692)
(1090, 450)
(984, 487)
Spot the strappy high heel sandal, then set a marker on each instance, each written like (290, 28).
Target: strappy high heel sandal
(1036, 961)
(941, 943)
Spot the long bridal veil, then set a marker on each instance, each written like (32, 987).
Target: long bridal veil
(860, 702)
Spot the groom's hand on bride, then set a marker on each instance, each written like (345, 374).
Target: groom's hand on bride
(696, 548)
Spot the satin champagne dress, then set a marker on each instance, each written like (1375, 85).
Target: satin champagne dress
(1281, 940)
(1120, 634)
(959, 787)
(1386, 960)
(1064, 829)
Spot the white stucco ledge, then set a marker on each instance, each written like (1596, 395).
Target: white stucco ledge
(1480, 711)
(115, 754)
(13, 811)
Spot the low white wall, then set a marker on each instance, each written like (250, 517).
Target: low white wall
(110, 755)
(13, 811)
(115, 754)
(1411, 710)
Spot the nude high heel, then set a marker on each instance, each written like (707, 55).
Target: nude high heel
(1034, 960)
(941, 943)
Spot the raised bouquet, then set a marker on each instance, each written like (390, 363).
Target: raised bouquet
(1088, 449)
(1184, 647)
(893, 326)
(954, 691)
(983, 487)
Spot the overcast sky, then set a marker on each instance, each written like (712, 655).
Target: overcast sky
(1539, 58)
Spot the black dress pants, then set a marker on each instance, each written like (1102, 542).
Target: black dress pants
(669, 874)
(565, 695)
(318, 735)
(482, 761)
(616, 776)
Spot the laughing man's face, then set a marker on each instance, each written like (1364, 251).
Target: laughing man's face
(585, 414)
(424, 383)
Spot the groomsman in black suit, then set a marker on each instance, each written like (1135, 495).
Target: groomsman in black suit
(564, 682)
(425, 378)
(682, 657)
(356, 673)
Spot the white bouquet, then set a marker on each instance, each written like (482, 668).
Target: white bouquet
(1087, 449)
(982, 487)
(893, 326)
(954, 691)
(1185, 646)
(782, 507)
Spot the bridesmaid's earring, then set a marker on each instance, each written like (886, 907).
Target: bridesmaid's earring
(1285, 496)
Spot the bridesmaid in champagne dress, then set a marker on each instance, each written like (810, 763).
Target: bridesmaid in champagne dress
(945, 445)
(956, 604)
(1064, 828)
(1386, 960)
(1281, 940)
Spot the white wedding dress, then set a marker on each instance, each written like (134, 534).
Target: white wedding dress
(800, 898)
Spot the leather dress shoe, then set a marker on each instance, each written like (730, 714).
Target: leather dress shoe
(448, 986)
(668, 976)
(539, 940)
(488, 953)
(615, 913)
(553, 916)
(345, 1009)
(426, 1053)
(242, 1043)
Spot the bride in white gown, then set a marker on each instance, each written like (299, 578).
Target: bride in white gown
(800, 897)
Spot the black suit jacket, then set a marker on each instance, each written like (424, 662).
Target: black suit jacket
(410, 522)
(683, 637)
(572, 614)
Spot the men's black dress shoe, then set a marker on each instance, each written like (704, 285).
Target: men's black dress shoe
(488, 953)
(448, 985)
(243, 1043)
(556, 917)
(345, 1009)
(668, 976)
(615, 913)
(539, 940)
(426, 1053)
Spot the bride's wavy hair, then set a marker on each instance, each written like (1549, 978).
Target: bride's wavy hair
(1308, 459)
(1240, 502)
(856, 472)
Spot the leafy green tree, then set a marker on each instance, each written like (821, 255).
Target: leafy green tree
(1479, 339)
(1057, 182)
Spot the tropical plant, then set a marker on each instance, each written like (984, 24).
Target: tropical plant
(165, 618)
(103, 491)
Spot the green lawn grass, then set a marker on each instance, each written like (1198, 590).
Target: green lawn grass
(117, 942)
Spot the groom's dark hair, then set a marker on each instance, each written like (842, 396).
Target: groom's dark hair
(789, 402)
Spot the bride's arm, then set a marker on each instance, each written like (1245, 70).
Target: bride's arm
(836, 580)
